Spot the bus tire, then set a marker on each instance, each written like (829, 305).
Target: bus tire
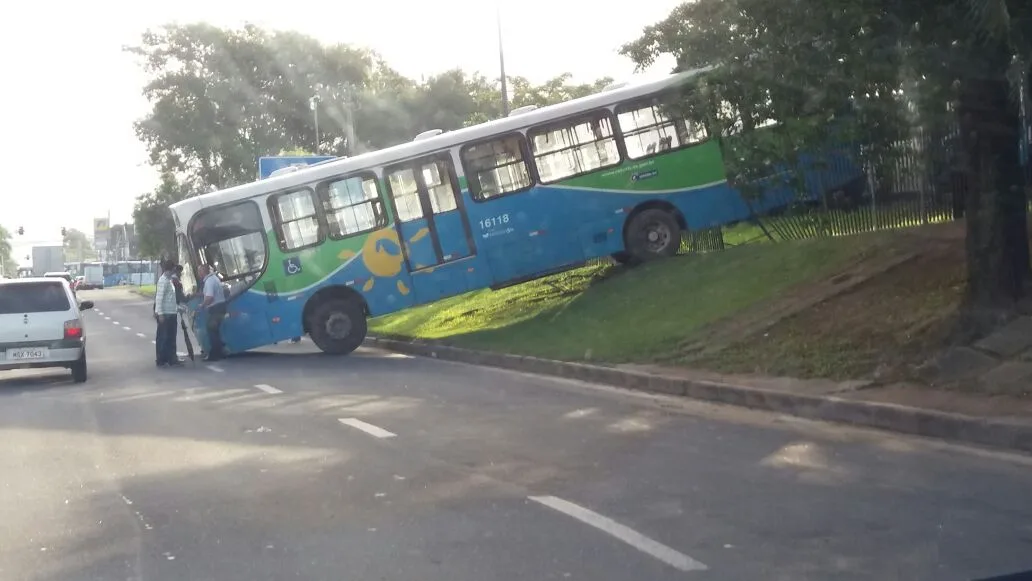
(338, 326)
(652, 234)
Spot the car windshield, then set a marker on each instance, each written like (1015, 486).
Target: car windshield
(32, 297)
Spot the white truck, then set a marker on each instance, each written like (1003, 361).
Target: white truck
(93, 275)
(47, 259)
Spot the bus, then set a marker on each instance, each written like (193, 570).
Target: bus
(129, 272)
(318, 250)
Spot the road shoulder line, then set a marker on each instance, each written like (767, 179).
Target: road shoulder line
(991, 433)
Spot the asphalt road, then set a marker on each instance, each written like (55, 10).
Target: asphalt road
(288, 464)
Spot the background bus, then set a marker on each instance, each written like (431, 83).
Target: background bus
(129, 272)
(620, 173)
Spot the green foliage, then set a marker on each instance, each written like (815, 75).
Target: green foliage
(221, 98)
(155, 229)
(810, 73)
(77, 246)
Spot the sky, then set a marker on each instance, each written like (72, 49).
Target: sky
(69, 142)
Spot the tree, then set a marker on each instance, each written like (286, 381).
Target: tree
(77, 246)
(10, 266)
(994, 57)
(800, 62)
(221, 98)
(155, 230)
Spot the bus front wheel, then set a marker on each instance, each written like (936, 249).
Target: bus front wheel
(652, 234)
(338, 326)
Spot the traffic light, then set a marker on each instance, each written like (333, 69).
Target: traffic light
(21, 231)
(64, 231)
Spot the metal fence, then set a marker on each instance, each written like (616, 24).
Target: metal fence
(914, 182)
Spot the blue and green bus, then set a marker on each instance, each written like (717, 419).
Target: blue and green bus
(318, 250)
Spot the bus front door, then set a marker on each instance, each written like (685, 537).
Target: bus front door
(433, 227)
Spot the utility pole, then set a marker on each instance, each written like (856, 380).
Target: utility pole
(349, 125)
(501, 62)
(313, 104)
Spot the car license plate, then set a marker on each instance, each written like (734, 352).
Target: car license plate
(28, 354)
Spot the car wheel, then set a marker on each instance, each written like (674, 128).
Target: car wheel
(79, 369)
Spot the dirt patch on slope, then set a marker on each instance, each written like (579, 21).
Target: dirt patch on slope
(879, 327)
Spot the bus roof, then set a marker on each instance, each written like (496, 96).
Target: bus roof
(428, 144)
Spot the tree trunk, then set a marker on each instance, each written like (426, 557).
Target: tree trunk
(997, 227)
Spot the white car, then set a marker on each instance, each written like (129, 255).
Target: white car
(41, 326)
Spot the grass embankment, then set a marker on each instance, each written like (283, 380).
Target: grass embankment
(146, 290)
(893, 321)
(639, 315)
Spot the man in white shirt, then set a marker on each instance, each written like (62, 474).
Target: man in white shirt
(166, 313)
(214, 303)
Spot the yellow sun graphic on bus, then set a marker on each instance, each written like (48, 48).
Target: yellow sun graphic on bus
(381, 254)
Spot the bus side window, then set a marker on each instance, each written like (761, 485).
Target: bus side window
(402, 185)
(495, 168)
(353, 205)
(576, 147)
(647, 130)
(296, 220)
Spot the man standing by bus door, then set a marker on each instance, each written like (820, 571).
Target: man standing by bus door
(214, 303)
(166, 313)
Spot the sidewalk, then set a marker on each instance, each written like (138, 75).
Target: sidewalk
(993, 421)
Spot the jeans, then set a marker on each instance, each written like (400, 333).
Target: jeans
(216, 313)
(165, 340)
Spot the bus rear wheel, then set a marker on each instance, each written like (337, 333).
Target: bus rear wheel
(338, 326)
(651, 234)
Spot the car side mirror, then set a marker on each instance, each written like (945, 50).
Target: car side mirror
(85, 305)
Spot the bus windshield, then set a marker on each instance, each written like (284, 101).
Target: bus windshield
(232, 239)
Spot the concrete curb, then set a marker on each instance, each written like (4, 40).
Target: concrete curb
(947, 426)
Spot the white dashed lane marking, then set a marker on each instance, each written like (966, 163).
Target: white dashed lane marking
(628, 535)
(127, 328)
(370, 429)
(216, 368)
(141, 335)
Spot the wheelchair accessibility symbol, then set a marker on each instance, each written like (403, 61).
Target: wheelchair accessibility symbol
(292, 266)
